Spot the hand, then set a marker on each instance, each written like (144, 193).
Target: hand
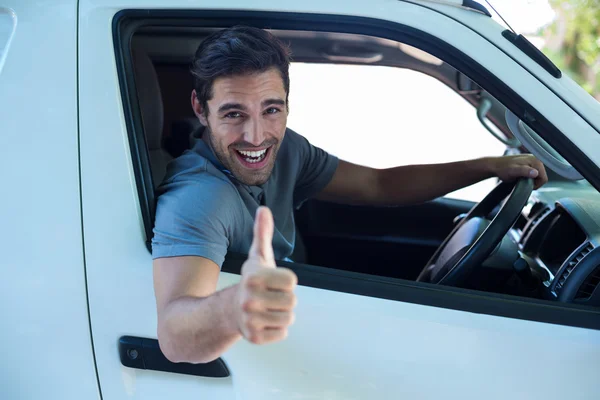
(266, 293)
(509, 168)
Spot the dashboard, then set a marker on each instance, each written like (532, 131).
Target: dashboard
(559, 235)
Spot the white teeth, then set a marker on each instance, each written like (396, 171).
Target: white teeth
(253, 157)
(253, 154)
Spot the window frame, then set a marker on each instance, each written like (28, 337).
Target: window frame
(126, 22)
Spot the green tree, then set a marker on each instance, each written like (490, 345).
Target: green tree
(573, 41)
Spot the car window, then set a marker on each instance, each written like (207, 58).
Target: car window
(377, 116)
(383, 117)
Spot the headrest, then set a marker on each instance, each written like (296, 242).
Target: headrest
(150, 99)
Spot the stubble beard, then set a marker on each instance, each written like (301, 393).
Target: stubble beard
(228, 158)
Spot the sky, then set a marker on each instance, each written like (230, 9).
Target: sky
(524, 16)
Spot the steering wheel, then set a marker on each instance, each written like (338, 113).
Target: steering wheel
(474, 238)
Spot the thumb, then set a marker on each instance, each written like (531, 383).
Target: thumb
(261, 249)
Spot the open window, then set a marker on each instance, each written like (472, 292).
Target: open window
(344, 247)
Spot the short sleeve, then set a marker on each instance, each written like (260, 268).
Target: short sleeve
(315, 171)
(194, 219)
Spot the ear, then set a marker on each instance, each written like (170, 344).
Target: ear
(198, 109)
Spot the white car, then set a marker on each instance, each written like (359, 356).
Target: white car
(94, 101)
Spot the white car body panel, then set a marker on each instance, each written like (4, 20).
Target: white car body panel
(45, 339)
(342, 346)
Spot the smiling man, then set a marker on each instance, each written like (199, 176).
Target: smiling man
(236, 190)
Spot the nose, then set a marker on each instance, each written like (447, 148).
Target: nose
(254, 132)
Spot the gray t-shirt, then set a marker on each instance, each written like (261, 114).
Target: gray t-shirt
(203, 210)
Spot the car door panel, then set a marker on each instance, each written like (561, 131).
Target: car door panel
(387, 241)
(337, 350)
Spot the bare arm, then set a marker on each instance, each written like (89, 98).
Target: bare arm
(414, 184)
(197, 324)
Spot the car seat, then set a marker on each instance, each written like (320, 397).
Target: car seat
(151, 106)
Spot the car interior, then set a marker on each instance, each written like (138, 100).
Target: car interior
(541, 244)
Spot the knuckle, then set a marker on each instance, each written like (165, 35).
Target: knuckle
(290, 319)
(278, 335)
(254, 338)
(270, 275)
(276, 299)
(253, 325)
(294, 279)
(289, 300)
(249, 305)
(290, 279)
(294, 301)
(254, 282)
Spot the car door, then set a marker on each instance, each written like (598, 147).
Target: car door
(356, 336)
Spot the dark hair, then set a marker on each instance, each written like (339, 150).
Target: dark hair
(234, 51)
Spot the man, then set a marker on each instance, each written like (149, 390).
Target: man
(244, 159)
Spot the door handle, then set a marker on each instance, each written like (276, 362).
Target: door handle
(142, 353)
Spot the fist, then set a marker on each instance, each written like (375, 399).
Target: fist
(266, 296)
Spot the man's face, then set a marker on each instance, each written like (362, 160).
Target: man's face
(246, 123)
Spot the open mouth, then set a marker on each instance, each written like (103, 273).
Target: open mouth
(255, 158)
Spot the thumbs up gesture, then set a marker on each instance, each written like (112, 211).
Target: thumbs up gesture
(266, 293)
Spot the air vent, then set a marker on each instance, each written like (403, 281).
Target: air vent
(533, 222)
(588, 287)
(576, 259)
(536, 207)
(592, 281)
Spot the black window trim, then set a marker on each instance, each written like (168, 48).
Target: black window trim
(427, 294)
(126, 22)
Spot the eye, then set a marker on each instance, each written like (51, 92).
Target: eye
(233, 115)
(273, 110)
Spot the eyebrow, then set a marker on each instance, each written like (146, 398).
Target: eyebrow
(269, 102)
(239, 106)
(231, 106)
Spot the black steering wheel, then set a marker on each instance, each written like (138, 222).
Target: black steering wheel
(474, 238)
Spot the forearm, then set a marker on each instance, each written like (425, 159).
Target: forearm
(199, 330)
(414, 184)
